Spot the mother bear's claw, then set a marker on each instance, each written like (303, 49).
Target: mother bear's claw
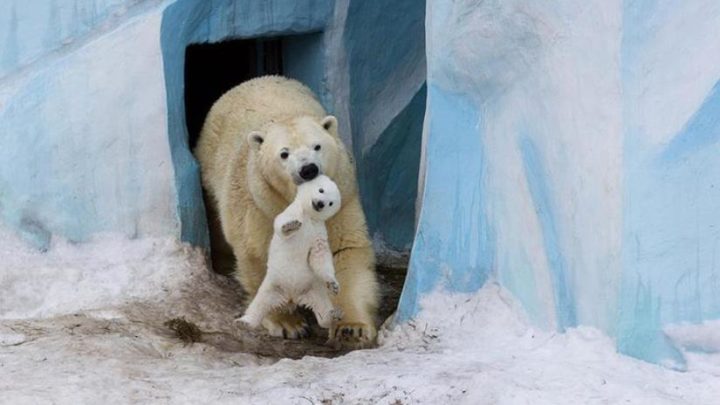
(353, 335)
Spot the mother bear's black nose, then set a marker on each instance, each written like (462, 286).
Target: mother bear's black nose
(309, 172)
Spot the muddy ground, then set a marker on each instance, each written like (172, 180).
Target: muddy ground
(211, 302)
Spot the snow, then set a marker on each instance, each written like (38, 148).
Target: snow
(93, 333)
(704, 336)
(102, 272)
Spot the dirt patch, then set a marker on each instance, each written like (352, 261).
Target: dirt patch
(214, 306)
(202, 311)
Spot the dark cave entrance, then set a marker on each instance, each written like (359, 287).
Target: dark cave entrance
(356, 67)
(211, 69)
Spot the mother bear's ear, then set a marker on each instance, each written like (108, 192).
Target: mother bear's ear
(330, 124)
(255, 139)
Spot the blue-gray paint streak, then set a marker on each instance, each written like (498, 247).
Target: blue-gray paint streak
(672, 235)
(454, 244)
(541, 193)
(671, 226)
(11, 50)
(304, 60)
(385, 40)
(197, 21)
(51, 172)
(702, 130)
(48, 26)
(397, 35)
(389, 173)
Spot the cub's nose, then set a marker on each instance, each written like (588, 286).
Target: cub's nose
(318, 205)
(309, 172)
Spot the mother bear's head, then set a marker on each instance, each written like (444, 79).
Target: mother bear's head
(290, 152)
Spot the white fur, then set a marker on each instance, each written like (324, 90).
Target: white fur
(300, 267)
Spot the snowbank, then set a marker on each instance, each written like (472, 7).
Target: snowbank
(109, 271)
(105, 342)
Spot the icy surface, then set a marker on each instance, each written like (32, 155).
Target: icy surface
(83, 137)
(473, 348)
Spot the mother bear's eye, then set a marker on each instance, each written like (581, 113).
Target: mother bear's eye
(321, 191)
(284, 155)
(317, 147)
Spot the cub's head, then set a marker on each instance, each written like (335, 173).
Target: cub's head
(295, 151)
(320, 198)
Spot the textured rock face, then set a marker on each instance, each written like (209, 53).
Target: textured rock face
(572, 154)
(571, 149)
(83, 144)
(92, 117)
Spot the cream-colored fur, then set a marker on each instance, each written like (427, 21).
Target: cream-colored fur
(239, 151)
(300, 270)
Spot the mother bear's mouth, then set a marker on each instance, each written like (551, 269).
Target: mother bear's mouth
(299, 178)
(309, 171)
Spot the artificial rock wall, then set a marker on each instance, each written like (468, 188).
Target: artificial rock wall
(92, 117)
(572, 155)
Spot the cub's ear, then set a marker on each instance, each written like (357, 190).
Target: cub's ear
(255, 139)
(330, 124)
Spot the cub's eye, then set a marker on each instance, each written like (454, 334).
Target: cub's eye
(284, 155)
(321, 191)
(317, 147)
(331, 203)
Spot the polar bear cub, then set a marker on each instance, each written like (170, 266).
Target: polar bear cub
(300, 267)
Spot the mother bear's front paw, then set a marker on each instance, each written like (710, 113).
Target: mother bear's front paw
(353, 335)
(286, 325)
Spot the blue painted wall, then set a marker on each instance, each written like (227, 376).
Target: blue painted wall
(388, 176)
(29, 30)
(453, 232)
(82, 149)
(672, 197)
(97, 86)
(587, 161)
(386, 75)
(196, 21)
(571, 151)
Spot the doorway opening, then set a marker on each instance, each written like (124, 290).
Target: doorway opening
(211, 69)
(214, 68)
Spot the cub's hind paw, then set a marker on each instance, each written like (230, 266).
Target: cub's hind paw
(246, 324)
(291, 227)
(286, 325)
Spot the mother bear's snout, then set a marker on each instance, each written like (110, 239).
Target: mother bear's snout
(309, 171)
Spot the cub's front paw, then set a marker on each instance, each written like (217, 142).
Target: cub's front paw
(333, 287)
(291, 227)
(247, 322)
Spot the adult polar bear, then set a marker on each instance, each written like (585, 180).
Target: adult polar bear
(259, 140)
